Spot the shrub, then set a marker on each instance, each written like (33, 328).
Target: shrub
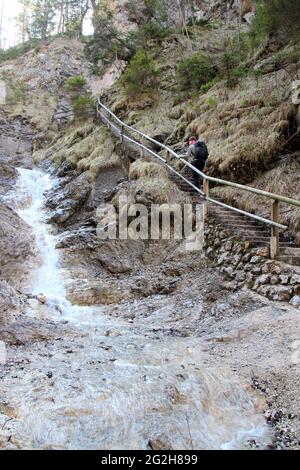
(230, 68)
(205, 88)
(17, 51)
(277, 16)
(83, 106)
(140, 75)
(151, 31)
(212, 101)
(76, 83)
(194, 72)
(82, 101)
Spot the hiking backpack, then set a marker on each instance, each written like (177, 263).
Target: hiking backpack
(201, 151)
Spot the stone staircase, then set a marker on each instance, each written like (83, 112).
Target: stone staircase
(241, 226)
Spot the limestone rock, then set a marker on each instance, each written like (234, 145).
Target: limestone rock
(272, 267)
(295, 301)
(284, 279)
(262, 280)
(160, 443)
(8, 176)
(9, 303)
(93, 292)
(69, 199)
(280, 293)
(16, 244)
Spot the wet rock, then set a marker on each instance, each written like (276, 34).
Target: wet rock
(295, 301)
(280, 293)
(42, 299)
(69, 199)
(8, 177)
(64, 169)
(160, 443)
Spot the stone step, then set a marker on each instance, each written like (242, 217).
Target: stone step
(232, 217)
(242, 224)
(293, 260)
(290, 251)
(249, 231)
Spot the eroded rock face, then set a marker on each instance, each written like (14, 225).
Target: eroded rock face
(16, 245)
(8, 176)
(9, 303)
(95, 292)
(69, 199)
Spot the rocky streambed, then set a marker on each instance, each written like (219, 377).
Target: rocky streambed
(128, 345)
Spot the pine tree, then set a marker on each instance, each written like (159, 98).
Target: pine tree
(42, 21)
(23, 20)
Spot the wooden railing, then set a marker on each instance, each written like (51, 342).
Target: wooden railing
(124, 132)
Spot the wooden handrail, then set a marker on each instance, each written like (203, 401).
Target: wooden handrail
(276, 198)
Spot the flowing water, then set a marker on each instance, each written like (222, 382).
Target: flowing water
(115, 385)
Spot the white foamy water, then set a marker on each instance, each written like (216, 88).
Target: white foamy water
(48, 278)
(121, 385)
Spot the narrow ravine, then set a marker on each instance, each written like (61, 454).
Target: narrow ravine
(105, 383)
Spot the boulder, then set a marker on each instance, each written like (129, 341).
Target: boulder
(68, 199)
(94, 292)
(272, 267)
(8, 177)
(295, 301)
(280, 293)
(262, 280)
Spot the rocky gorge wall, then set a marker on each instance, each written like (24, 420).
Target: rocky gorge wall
(250, 266)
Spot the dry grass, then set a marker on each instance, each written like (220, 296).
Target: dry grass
(158, 190)
(87, 148)
(245, 129)
(141, 168)
(152, 190)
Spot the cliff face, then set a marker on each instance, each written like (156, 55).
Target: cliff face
(227, 10)
(34, 84)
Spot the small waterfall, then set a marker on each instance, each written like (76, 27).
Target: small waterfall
(120, 387)
(48, 279)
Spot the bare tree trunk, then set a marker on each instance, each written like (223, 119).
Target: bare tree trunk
(1, 24)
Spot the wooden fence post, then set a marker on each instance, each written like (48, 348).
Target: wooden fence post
(206, 192)
(274, 245)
